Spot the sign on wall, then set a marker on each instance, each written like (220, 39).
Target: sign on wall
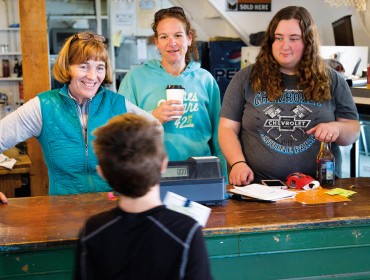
(248, 5)
(123, 17)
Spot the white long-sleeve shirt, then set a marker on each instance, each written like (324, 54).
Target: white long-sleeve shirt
(26, 122)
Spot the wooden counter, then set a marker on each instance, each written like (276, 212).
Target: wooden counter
(10, 179)
(246, 240)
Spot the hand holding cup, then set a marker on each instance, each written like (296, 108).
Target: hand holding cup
(172, 108)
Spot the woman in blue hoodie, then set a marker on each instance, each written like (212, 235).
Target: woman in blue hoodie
(190, 129)
(62, 119)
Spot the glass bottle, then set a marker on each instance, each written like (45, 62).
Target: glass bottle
(16, 68)
(6, 70)
(20, 70)
(325, 165)
(20, 90)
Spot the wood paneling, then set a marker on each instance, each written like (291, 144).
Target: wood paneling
(35, 63)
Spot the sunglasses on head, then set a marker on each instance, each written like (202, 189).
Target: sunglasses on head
(88, 36)
(173, 10)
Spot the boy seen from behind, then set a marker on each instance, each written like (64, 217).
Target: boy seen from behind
(140, 238)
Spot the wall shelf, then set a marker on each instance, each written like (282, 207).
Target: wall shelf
(75, 17)
(10, 79)
(10, 53)
(10, 50)
(122, 70)
(10, 29)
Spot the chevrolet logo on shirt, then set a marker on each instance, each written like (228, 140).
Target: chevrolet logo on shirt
(286, 123)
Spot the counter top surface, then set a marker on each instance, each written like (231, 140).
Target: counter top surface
(46, 220)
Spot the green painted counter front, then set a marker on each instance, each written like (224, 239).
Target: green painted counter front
(340, 253)
(245, 240)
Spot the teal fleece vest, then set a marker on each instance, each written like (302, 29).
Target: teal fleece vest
(72, 164)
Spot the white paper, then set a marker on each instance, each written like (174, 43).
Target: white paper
(205, 157)
(141, 49)
(7, 162)
(197, 211)
(263, 192)
(123, 17)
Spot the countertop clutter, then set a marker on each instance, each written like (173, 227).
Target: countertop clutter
(38, 236)
(41, 217)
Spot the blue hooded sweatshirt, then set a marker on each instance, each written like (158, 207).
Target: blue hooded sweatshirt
(196, 132)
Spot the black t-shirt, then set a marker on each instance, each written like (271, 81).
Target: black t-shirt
(273, 133)
(156, 244)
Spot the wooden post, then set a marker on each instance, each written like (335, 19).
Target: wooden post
(35, 66)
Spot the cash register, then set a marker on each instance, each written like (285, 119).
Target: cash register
(198, 179)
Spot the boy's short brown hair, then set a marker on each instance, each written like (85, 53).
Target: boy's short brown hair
(130, 152)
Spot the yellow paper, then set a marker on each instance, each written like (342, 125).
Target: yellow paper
(340, 191)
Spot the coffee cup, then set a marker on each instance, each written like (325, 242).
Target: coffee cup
(175, 92)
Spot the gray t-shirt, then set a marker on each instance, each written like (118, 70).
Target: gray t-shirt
(273, 134)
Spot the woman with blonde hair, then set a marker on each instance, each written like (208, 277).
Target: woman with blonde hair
(62, 119)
